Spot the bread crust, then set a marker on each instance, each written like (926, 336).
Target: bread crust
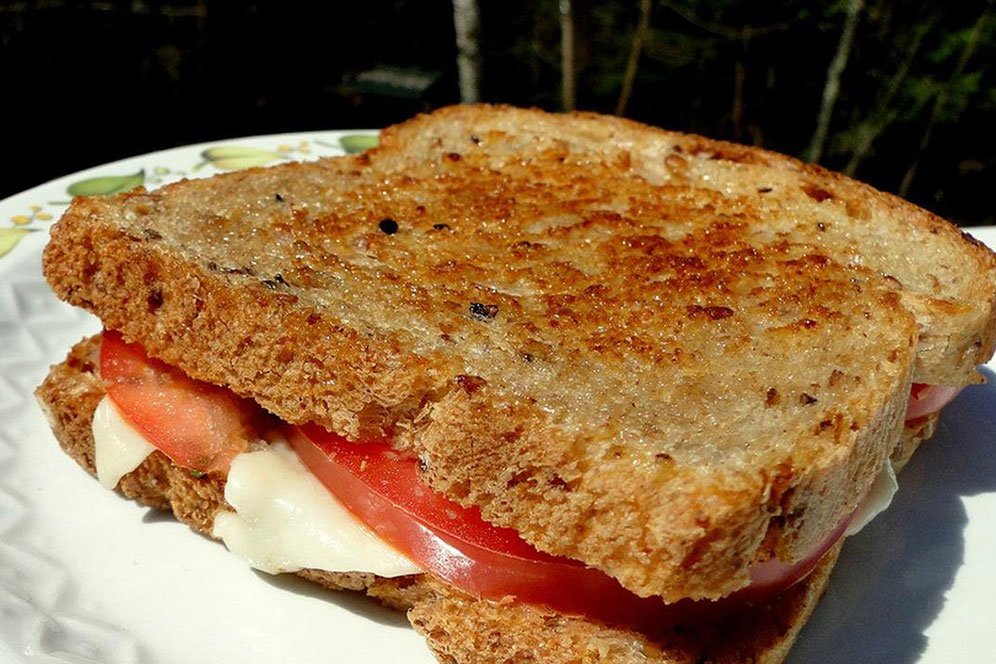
(627, 368)
(457, 628)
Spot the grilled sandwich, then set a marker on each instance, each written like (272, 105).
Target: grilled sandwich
(642, 383)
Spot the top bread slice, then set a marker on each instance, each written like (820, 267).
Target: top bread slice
(946, 277)
(665, 371)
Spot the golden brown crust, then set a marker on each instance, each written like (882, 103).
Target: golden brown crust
(947, 277)
(457, 628)
(627, 368)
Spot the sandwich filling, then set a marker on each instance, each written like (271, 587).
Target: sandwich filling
(311, 499)
(282, 518)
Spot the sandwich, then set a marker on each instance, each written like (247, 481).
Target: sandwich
(561, 387)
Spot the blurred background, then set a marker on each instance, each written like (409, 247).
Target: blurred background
(900, 94)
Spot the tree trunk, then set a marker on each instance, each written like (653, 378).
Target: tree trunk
(632, 64)
(739, 83)
(883, 115)
(467, 22)
(942, 97)
(567, 73)
(831, 87)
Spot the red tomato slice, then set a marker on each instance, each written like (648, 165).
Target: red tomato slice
(197, 425)
(772, 576)
(383, 489)
(454, 543)
(927, 399)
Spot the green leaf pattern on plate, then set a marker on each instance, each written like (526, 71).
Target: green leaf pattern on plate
(233, 157)
(353, 143)
(106, 184)
(9, 237)
(222, 157)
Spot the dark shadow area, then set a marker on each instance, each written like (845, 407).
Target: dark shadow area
(891, 579)
(352, 601)
(153, 515)
(91, 81)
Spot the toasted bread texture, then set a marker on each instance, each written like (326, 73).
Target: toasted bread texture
(457, 628)
(665, 371)
(946, 277)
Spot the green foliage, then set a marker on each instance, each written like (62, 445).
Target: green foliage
(675, 50)
(963, 90)
(755, 72)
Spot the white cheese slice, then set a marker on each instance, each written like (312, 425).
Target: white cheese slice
(118, 447)
(286, 520)
(878, 499)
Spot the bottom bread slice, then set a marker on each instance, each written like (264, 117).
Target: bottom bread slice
(457, 627)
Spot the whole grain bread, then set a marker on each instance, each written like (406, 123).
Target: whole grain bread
(458, 628)
(664, 356)
(946, 277)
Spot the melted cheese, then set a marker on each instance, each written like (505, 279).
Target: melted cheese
(118, 447)
(284, 519)
(879, 497)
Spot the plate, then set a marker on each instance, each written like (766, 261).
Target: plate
(88, 577)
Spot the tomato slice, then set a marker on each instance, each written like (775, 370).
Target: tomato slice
(199, 426)
(773, 576)
(454, 543)
(927, 399)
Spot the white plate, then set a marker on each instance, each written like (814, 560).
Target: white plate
(88, 577)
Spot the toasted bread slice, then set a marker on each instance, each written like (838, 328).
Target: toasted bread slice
(946, 277)
(660, 379)
(458, 628)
